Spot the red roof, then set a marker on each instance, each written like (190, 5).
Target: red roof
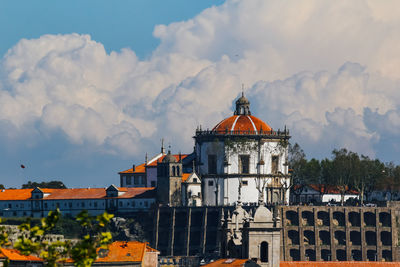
(142, 167)
(242, 124)
(327, 189)
(15, 255)
(122, 251)
(138, 169)
(185, 176)
(77, 193)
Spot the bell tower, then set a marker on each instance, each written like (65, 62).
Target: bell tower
(169, 177)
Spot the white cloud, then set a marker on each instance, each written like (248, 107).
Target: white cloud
(295, 56)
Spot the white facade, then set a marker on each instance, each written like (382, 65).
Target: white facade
(228, 187)
(191, 191)
(243, 159)
(39, 202)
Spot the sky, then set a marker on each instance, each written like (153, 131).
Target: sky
(87, 88)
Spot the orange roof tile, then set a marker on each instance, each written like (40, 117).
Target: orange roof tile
(122, 251)
(185, 176)
(15, 194)
(336, 264)
(138, 169)
(154, 163)
(142, 167)
(327, 189)
(15, 255)
(77, 193)
(227, 262)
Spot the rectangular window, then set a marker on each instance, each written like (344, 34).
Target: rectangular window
(95, 204)
(194, 180)
(120, 203)
(210, 183)
(153, 183)
(244, 162)
(245, 183)
(133, 203)
(70, 204)
(274, 164)
(146, 203)
(136, 180)
(45, 205)
(128, 179)
(212, 164)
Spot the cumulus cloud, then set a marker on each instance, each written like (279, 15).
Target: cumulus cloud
(328, 70)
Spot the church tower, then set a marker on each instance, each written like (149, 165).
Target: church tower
(261, 238)
(169, 177)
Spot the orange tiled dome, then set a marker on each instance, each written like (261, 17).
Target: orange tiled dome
(242, 124)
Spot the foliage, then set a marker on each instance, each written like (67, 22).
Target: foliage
(51, 184)
(2, 186)
(346, 171)
(83, 253)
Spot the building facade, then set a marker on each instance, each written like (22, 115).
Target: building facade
(242, 158)
(39, 201)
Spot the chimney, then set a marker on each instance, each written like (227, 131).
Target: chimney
(133, 167)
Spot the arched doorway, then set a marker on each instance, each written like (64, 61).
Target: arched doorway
(264, 251)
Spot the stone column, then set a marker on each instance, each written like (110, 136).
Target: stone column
(155, 231)
(378, 236)
(394, 234)
(301, 235)
(171, 239)
(332, 234)
(362, 232)
(316, 235)
(187, 236)
(347, 232)
(204, 230)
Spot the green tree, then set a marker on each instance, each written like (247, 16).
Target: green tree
(83, 253)
(371, 172)
(346, 168)
(297, 164)
(51, 184)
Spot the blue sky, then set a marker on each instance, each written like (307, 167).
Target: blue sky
(87, 88)
(116, 24)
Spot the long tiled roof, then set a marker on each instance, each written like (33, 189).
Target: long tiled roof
(14, 255)
(77, 193)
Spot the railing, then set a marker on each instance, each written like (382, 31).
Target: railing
(245, 132)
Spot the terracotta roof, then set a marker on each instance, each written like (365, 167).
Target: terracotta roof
(138, 169)
(142, 167)
(227, 262)
(336, 264)
(154, 163)
(330, 189)
(242, 124)
(185, 176)
(15, 255)
(15, 194)
(122, 251)
(77, 193)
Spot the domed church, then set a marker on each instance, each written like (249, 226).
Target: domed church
(242, 159)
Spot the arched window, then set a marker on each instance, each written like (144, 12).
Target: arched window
(264, 252)
(173, 171)
(177, 170)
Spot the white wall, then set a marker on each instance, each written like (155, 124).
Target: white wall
(228, 187)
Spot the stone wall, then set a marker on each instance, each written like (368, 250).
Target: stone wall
(308, 233)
